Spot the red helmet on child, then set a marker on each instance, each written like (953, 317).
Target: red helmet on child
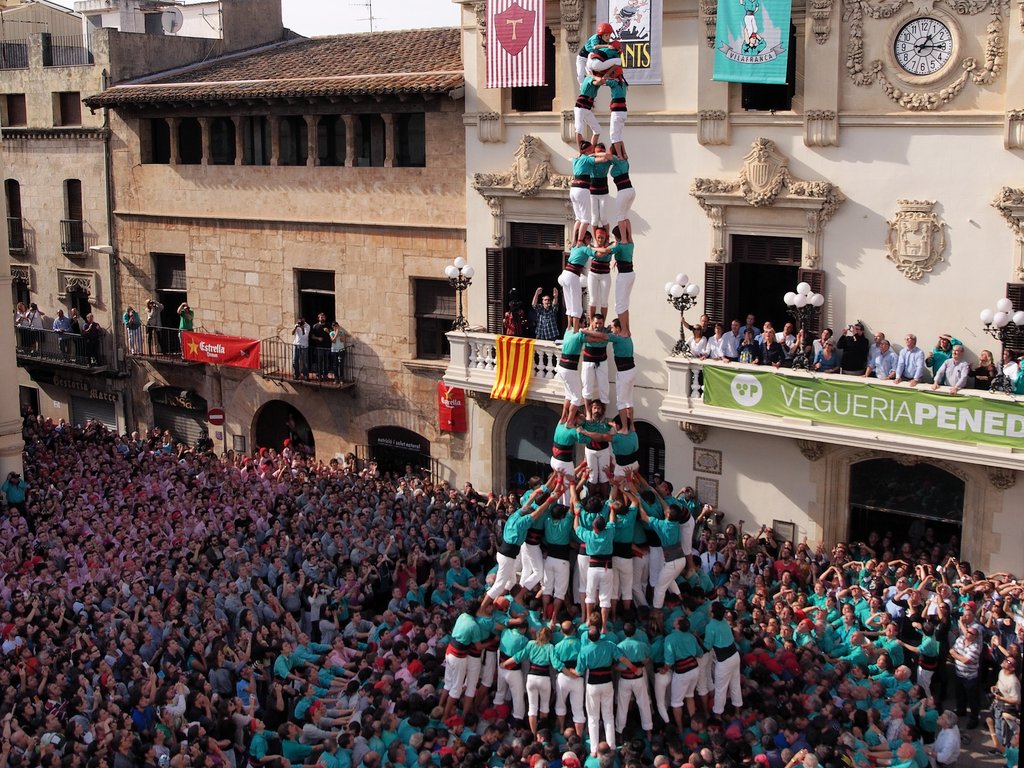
(604, 28)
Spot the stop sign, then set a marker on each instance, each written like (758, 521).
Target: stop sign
(215, 416)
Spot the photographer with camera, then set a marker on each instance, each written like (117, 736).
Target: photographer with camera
(15, 490)
(854, 347)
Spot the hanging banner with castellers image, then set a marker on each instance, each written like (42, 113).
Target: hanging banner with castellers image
(636, 24)
(752, 41)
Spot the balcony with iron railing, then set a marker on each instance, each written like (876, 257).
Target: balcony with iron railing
(62, 349)
(16, 235)
(72, 238)
(282, 361)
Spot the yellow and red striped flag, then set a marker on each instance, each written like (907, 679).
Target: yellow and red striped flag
(515, 43)
(515, 368)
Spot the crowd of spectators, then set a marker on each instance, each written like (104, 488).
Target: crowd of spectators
(167, 606)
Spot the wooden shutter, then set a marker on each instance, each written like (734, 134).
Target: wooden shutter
(495, 289)
(816, 279)
(1014, 333)
(718, 288)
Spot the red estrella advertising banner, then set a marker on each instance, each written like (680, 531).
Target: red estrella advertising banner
(451, 406)
(220, 350)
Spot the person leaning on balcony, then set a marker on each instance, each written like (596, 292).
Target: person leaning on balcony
(827, 360)
(546, 309)
(339, 338)
(21, 323)
(133, 330)
(300, 348)
(883, 364)
(910, 363)
(62, 326)
(153, 310)
(985, 372)
(942, 351)
(953, 372)
(35, 324)
(93, 332)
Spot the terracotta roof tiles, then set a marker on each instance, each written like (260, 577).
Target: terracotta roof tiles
(379, 63)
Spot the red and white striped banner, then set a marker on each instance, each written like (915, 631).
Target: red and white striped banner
(515, 43)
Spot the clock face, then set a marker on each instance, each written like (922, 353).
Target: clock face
(923, 46)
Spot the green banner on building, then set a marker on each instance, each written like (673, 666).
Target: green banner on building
(752, 41)
(856, 403)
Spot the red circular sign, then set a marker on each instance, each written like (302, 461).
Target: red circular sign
(215, 416)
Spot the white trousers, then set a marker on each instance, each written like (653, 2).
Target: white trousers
(505, 578)
(623, 288)
(640, 564)
(572, 384)
(595, 384)
(599, 586)
(585, 119)
(489, 669)
(629, 690)
(684, 685)
(599, 463)
(512, 680)
(662, 682)
(727, 683)
(533, 566)
(455, 671)
(556, 577)
(601, 210)
(582, 572)
(580, 198)
(667, 581)
(600, 706)
(618, 122)
(655, 562)
(598, 288)
(571, 688)
(623, 579)
(623, 202)
(538, 694)
(572, 292)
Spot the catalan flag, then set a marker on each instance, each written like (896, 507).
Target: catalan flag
(515, 368)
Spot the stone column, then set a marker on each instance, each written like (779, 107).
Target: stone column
(275, 139)
(350, 140)
(204, 128)
(239, 122)
(172, 127)
(389, 140)
(311, 140)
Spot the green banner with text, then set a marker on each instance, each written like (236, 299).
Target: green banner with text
(856, 403)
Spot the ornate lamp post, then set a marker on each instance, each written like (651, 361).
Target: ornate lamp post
(803, 304)
(682, 294)
(460, 276)
(997, 325)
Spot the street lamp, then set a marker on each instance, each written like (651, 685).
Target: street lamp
(682, 294)
(803, 304)
(460, 276)
(997, 325)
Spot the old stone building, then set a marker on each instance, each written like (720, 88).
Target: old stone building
(305, 177)
(894, 193)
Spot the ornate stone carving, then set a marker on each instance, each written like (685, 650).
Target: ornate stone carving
(821, 128)
(1010, 203)
(22, 274)
(709, 12)
(810, 449)
(568, 127)
(1002, 478)
(763, 181)
(481, 22)
(713, 127)
(572, 16)
(907, 459)
(71, 280)
(980, 73)
(697, 433)
(916, 239)
(820, 12)
(1013, 138)
(490, 127)
(497, 207)
(530, 172)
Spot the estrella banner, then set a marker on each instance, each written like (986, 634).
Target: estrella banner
(637, 25)
(876, 406)
(451, 408)
(220, 350)
(752, 41)
(515, 43)
(515, 369)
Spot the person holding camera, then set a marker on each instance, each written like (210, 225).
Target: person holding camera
(300, 348)
(15, 491)
(854, 347)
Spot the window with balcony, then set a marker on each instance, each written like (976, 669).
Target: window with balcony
(294, 140)
(410, 140)
(15, 112)
(435, 312)
(315, 289)
(539, 98)
(68, 108)
(171, 288)
(533, 260)
(330, 140)
(222, 141)
(72, 226)
(370, 141)
(256, 137)
(190, 141)
(156, 137)
(15, 224)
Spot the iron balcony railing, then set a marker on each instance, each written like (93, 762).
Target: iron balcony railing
(283, 361)
(65, 348)
(65, 51)
(14, 54)
(72, 237)
(16, 235)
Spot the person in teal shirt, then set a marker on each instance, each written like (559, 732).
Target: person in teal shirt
(569, 683)
(720, 640)
(513, 640)
(558, 535)
(633, 685)
(514, 534)
(682, 655)
(579, 257)
(537, 654)
(596, 660)
(598, 540)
